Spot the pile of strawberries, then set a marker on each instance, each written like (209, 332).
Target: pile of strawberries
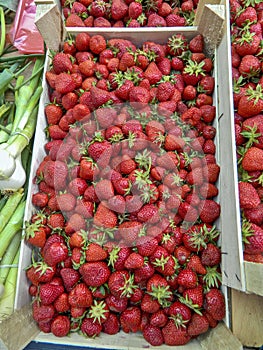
(123, 232)
(128, 13)
(247, 69)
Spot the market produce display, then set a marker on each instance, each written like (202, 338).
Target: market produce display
(247, 67)
(128, 13)
(19, 97)
(123, 233)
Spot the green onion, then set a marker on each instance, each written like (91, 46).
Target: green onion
(9, 207)
(8, 257)
(13, 226)
(8, 296)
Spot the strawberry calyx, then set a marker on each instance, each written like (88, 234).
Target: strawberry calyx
(32, 228)
(251, 133)
(150, 5)
(177, 43)
(116, 138)
(189, 17)
(178, 320)
(143, 159)
(194, 68)
(142, 18)
(212, 278)
(106, 231)
(113, 256)
(247, 231)
(161, 262)
(98, 311)
(252, 3)
(129, 287)
(246, 37)
(162, 294)
(188, 302)
(255, 94)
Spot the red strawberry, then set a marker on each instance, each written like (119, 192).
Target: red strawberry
(55, 253)
(61, 303)
(35, 234)
(105, 217)
(40, 272)
(95, 274)
(135, 9)
(60, 326)
(104, 189)
(251, 103)
(87, 169)
(187, 278)
(61, 63)
(251, 125)
(99, 96)
(197, 44)
(195, 295)
(49, 292)
(210, 211)
(119, 9)
(82, 41)
(94, 252)
(90, 327)
(153, 73)
(80, 296)
(134, 261)
(117, 203)
(199, 324)
(253, 159)
(153, 335)
(174, 335)
(111, 325)
(97, 44)
(130, 319)
(148, 213)
(75, 223)
(255, 215)
(70, 277)
(64, 83)
(211, 255)
(252, 237)
(196, 265)
(214, 304)
(139, 94)
(248, 196)
(43, 313)
(53, 113)
(154, 20)
(66, 201)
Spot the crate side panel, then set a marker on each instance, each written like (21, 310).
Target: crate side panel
(232, 253)
(254, 277)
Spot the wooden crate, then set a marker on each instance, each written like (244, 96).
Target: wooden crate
(217, 43)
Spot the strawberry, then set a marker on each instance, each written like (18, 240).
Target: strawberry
(105, 217)
(148, 213)
(66, 201)
(251, 103)
(174, 335)
(135, 9)
(42, 313)
(175, 20)
(252, 236)
(139, 95)
(130, 319)
(253, 159)
(61, 63)
(40, 272)
(253, 125)
(196, 265)
(60, 326)
(153, 73)
(53, 113)
(111, 325)
(61, 303)
(75, 223)
(104, 189)
(82, 41)
(64, 83)
(90, 328)
(97, 44)
(153, 335)
(94, 252)
(49, 292)
(154, 20)
(195, 295)
(255, 215)
(211, 255)
(210, 211)
(198, 325)
(134, 261)
(55, 253)
(35, 234)
(95, 274)
(119, 9)
(214, 304)
(187, 278)
(248, 196)
(197, 44)
(165, 91)
(158, 319)
(249, 66)
(70, 277)
(247, 14)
